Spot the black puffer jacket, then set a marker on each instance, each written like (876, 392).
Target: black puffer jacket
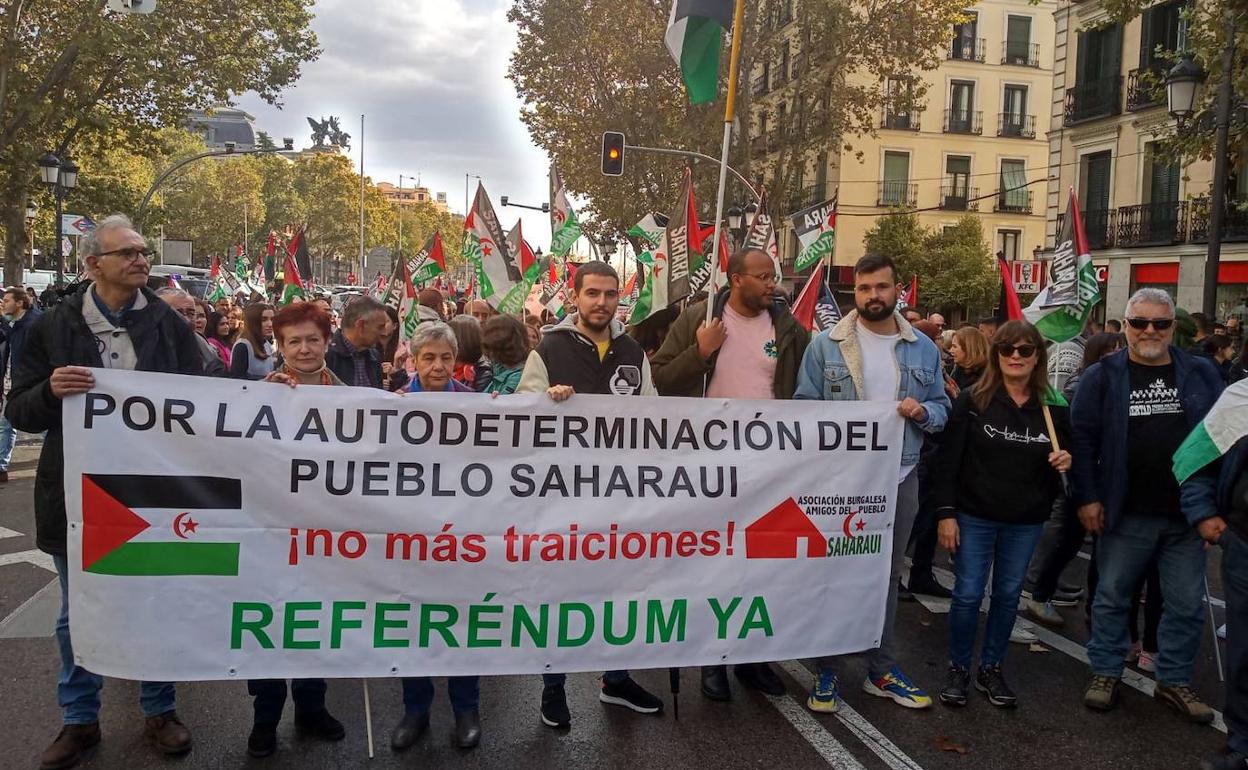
(163, 342)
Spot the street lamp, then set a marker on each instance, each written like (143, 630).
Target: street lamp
(1182, 83)
(735, 214)
(61, 176)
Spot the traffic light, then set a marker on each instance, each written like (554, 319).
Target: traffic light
(612, 153)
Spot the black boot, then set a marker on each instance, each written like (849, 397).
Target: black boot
(408, 730)
(467, 729)
(761, 677)
(320, 724)
(263, 740)
(715, 683)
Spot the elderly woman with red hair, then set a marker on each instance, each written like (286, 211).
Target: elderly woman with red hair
(303, 331)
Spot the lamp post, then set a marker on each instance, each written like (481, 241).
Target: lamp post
(60, 175)
(1182, 83)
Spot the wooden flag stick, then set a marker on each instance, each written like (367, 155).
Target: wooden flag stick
(1048, 421)
(368, 720)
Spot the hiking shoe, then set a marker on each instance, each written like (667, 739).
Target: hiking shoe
(957, 684)
(1147, 661)
(1044, 612)
(1182, 699)
(991, 682)
(555, 707)
(824, 696)
(896, 686)
(263, 740)
(71, 743)
(167, 733)
(1228, 760)
(629, 694)
(1023, 633)
(1102, 693)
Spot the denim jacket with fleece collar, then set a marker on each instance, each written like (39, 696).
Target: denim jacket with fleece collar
(832, 371)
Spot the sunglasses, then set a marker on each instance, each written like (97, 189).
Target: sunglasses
(1160, 324)
(1024, 350)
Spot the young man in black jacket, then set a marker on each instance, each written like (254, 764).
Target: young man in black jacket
(113, 323)
(590, 353)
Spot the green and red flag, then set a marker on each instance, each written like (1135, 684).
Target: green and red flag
(117, 540)
(668, 279)
(216, 281)
(564, 227)
(290, 271)
(695, 36)
(269, 269)
(816, 232)
(409, 308)
(762, 233)
(1222, 428)
(496, 271)
(519, 248)
(241, 260)
(1060, 312)
(430, 261)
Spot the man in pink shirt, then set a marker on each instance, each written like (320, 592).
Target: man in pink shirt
(752, 348)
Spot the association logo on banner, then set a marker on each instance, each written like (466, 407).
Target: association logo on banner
(788, 532)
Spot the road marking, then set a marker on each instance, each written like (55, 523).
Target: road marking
(33, 556)
(822, 741)
(6, 532)
(36, 617)
(857, 724)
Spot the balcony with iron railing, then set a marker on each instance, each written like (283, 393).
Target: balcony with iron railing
(1094, 99)
(959, 197)
(811, 195)
(964, 122)
(1013, 202)
(1020, 126)
(1098, 225)
(1234, 220)
(1151, 224)
(899, 121)
(898, 195)
(1140, 93)
(1020, 54)
(966, 49)
(758, 86)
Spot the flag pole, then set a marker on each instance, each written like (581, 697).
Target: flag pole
(738, 31)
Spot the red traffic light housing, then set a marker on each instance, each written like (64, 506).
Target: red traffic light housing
(612, 153)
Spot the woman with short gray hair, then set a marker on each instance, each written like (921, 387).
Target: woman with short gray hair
(433, 350)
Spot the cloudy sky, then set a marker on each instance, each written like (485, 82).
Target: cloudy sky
(431, 78)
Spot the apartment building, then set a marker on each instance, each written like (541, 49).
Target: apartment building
(411, 196)
(1147, 218)
(973, 143)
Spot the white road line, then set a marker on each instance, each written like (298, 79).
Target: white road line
(36, 617)
(822, 741)
(35, 557)
(857, 724)
(5, 532)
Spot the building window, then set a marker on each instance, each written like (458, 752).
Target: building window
(1014, 112)
(895, 189)
(966, 45)
(1015, 196)
(956, 194)
(1018, 48)
(961, 116)
(1009, 243)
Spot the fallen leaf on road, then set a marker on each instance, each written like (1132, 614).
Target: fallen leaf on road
(945, 743)
(1035, 647)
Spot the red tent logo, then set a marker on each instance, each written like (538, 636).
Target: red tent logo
(779, 534)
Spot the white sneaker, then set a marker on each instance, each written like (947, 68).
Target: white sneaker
(1023, 633)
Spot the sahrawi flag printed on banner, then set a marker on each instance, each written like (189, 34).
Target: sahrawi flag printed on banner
(564, 227)
(517, 246)
(290, 273)
(117, 540)
(496, 272)
(1061, 311)
(1226, 423)
(695, 35)
(668, 280)
(816, 231)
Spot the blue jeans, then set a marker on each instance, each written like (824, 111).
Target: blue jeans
(1235, 583)
(8, 437)
(1005, 550)
(610, 677)
(464, 691)
(78, 690)
(1123, 557)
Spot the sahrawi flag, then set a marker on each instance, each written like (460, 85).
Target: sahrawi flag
(1226, 423)
(409, 310)
(762, 233)
(564, 227)
(646, 235)
(668, 280)
(119, 540)
(816, 232)
(429, 262)
(815, 309)
(516, 245)
(214, 279)
(1061, 311)
(496, 272)
(290, 273)
(695, 35)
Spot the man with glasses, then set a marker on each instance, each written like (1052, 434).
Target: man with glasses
(185, 305)
(1131, 412)
(114, 323)
(752, 348)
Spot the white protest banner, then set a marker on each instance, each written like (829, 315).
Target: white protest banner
(231, 530)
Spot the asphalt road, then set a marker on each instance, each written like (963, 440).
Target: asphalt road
(1050, 730)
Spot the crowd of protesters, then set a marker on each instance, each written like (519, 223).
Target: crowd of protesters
(1015, 451)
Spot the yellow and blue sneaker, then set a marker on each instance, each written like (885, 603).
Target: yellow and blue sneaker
(824, 696)
(895, 685)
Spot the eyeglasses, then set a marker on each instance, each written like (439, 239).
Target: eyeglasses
(1160, 324)
(763, 277)
(1024, 350)
(187, 313)
(129, 254)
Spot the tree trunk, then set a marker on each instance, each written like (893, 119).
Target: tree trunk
(15, 240)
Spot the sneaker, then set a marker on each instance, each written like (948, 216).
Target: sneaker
(991, 682)
(1182, 699)
(957, 683)
(824, 696)
(629, 694)
(1102, 692)
(899, 688)
(1023, 633)
(1228, 760)
(555, 707)
(1147, 661)
(1044, 612)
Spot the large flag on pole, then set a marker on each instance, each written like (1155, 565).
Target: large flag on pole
(409, 309)
(1061, 310)
(816, 232)
(684, 244)
(514, 301)
(496, 271)
(564, 227)
(1008, 306)
(241, 260)
(430, 261)
(1226, 423)
(215, 280)
(762, 233)
(695, 35)
(815, 308)
(290, 271)
(269, 271)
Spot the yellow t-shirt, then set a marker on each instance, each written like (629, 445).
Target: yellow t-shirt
(602, 349)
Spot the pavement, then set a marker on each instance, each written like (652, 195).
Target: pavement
(1050, 730)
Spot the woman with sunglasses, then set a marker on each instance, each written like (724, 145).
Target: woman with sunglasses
(996, 477)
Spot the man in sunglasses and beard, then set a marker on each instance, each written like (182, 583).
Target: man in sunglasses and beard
(1131, 412)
